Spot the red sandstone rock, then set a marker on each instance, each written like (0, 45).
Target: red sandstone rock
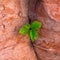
(47, 46)
(52, 7)
(13, 14)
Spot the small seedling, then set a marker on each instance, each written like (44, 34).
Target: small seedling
(31, 30)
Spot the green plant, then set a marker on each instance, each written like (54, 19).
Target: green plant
(31, 30)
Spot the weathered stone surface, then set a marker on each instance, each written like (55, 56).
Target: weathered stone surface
(13, 14)
(52, 7)
(47, 46)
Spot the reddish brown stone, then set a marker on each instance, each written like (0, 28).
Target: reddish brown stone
(48, 44)
(13, 14)
(52, 7)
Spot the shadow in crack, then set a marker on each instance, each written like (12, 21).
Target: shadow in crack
(33, 4)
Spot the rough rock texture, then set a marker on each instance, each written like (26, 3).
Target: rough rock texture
(13, 14)
(52, 8)
(47, 46)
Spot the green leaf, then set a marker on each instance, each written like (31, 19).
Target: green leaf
(36, 25)
(24, 29)
(33, 35)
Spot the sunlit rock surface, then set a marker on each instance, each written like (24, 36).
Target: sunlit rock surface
(13, 14)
